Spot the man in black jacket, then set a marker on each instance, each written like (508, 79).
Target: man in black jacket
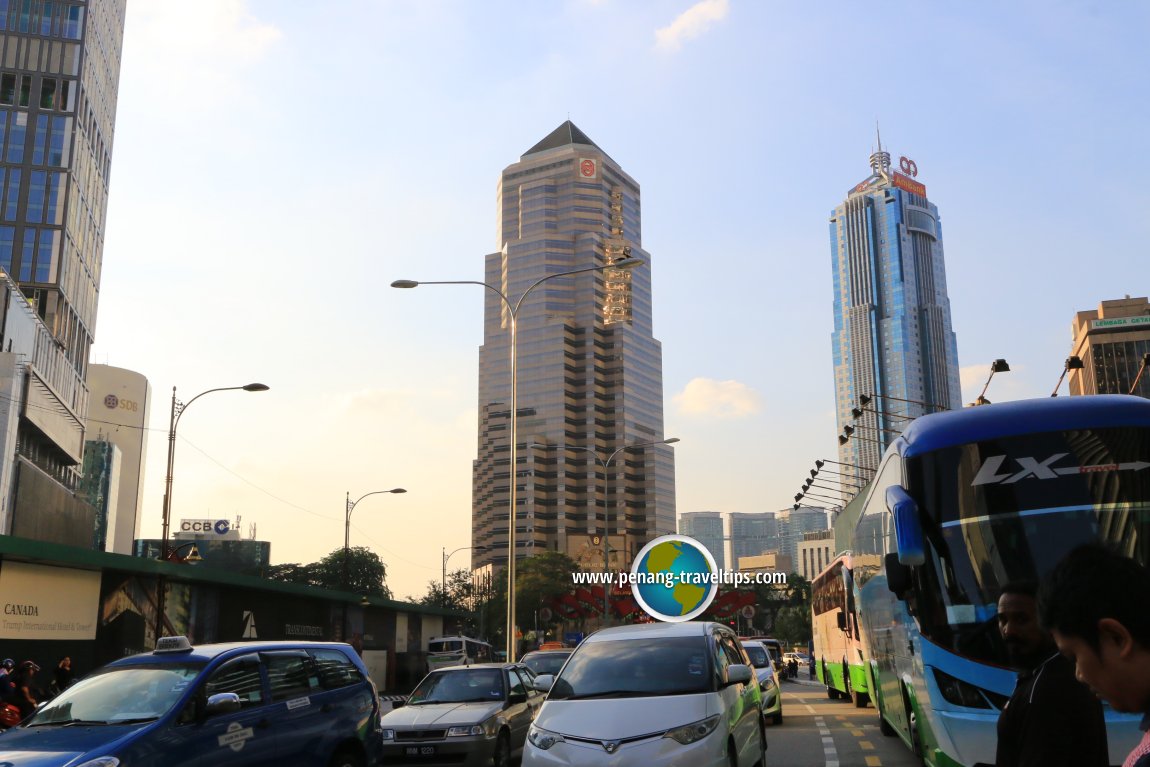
(1051, 719)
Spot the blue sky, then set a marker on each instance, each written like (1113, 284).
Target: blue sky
(277, 164)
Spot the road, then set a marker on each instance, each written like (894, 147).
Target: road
(819, 732)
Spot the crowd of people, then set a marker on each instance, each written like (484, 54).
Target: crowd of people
(21, 687)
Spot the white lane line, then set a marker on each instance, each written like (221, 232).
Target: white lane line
(830, 754)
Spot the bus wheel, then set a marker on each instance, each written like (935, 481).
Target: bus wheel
(884, 726)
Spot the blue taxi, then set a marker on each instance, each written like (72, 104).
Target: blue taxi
(241, 704)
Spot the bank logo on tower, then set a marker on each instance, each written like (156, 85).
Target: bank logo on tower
(674, 578)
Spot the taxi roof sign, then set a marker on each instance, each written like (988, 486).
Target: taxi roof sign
(172, 644)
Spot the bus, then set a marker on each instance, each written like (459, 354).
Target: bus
(962, 503)
(456, 651)
(838, 649)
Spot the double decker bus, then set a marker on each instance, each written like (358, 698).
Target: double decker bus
(963, 503)
(838, 648)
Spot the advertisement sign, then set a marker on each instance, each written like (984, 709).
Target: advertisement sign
(206, 526)
(1120, 322)
(38, 602)
(909, 184)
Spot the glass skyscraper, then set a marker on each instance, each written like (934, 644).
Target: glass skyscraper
(707, 528)
(59, 78)
(589, 369)
(892, 337)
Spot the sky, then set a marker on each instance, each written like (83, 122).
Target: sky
(278, 163)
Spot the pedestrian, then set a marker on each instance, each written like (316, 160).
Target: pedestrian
(1096, 604)
(1051, 719)
(62, 677)
(7, 686)
(810, 663)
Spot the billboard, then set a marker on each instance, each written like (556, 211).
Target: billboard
(38, 602)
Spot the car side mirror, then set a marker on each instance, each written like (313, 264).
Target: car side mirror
(842, 619)
(516, 697)
(222, 703)
(739, 673)
(543, 682)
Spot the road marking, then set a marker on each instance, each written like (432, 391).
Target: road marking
(857, 733)
(830, 755)
(873, 761)
(808, 705)
(866, 745)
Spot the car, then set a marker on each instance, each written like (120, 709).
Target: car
(768, 678)
(463, 715)
(653, 694)
(546, 661)
(774, 647)
(241, 704)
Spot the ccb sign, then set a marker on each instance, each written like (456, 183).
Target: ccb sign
(217, 526)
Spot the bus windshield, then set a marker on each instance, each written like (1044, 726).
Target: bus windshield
(1009, 509)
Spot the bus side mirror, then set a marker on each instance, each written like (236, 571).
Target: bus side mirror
(842, 621)
(897, 575)
(907, 527)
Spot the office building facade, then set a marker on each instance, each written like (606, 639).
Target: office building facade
(1113, 343)
(892, 337)
(589, 367)
(794, 524)
(59, 75)
(707, 528)
(753, 533)
(816, 550)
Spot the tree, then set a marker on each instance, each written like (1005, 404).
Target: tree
(366, 572)
(460, 593)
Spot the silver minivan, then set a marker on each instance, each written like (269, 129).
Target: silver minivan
(652, 694)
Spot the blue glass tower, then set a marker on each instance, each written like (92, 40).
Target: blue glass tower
(893, 338)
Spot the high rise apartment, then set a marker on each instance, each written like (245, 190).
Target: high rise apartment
(589, 369)
(706, 527)
(1113, 343)
(59, 75)
(892, 336)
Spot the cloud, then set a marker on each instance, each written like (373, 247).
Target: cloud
(690, 24)
(717, 399)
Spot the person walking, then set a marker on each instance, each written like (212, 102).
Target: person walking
(1051, 720)
(1096, 604)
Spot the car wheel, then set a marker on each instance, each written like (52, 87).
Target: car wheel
(346, 759)
(762, 745)
(502, 755)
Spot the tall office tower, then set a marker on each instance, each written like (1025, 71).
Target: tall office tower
(706, 527)
(892, 337)
(59, 75)
(1113, 343)
(794, 524)
(589, 369)
(753, 533)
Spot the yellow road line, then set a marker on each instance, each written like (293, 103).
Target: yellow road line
(873, 761)
(866, 745)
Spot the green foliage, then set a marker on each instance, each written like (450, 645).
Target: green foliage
(366, 572)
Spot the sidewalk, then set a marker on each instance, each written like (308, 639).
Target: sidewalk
(803, 680)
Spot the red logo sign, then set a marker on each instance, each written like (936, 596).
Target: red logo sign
(587, 169)
(908, 166)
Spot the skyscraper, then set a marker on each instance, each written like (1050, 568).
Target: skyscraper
(753, 533)
(59, 77)
(892, 335)
(589, 369)
(706, 527)
(1113, 343)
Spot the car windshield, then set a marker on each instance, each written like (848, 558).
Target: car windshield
(1009, 510)
(120, 695)
(758, 656)
(633, 668)
(465, 685)
(545, 663)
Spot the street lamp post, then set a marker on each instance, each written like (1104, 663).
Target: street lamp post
(178, 409)
(443, 577)
(348, 508)
(513, 314)
(606, 464)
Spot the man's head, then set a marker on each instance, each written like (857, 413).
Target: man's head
(1025, 640)
(1096, 603)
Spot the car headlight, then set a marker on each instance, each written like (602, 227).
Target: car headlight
(689, 733)
(101, 761)
(473, 729)
(388, 734)
(543, 739)
(767, 683)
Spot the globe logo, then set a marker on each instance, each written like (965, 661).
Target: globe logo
(674, 578)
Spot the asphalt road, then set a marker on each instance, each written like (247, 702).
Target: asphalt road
(820, 732)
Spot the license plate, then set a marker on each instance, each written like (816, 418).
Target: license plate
(419, 751)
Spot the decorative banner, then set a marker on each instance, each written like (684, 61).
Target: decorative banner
(38, 602)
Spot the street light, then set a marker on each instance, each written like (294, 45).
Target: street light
(443, 577)
(998, 366)
(1073, 362)
(513, 314)
(1141, 369)
(606, 509)
(178, 409)
(349, 507)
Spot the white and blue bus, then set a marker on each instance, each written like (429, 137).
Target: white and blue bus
(963, 503)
